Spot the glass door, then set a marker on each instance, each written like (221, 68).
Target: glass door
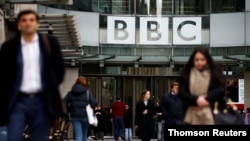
(161, 87)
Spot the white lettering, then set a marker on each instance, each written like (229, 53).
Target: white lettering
(154, 30)
(174, 132)
(217, 132)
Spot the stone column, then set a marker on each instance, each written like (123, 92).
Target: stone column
(70, 77)
(2, 27)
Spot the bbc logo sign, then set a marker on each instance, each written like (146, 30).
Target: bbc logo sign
(154, 30)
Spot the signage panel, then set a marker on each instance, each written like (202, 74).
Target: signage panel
(186, 30)
(154, 30)
(121, 30)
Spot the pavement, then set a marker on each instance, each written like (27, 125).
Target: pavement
(111, 139)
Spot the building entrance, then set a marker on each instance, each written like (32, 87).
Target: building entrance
(107, 88)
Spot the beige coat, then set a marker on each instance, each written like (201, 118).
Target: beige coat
(199, 83)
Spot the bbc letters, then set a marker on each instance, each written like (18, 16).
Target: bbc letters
(154, 30)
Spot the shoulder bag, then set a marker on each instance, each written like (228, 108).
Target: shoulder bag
(91, 114)
(227, 116)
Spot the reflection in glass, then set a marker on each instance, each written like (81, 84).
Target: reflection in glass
(154, 7)
(188, 7)
(226, 6)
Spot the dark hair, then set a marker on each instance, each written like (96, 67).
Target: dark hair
(216, 72)
(26, 12)
(143, 93)
(118, 98)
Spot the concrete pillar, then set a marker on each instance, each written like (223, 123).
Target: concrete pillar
(247, 90)
(2, 28)
(70, 77)
(20, 7)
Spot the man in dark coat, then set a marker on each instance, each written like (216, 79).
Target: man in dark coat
(31, 71)
(172, 106)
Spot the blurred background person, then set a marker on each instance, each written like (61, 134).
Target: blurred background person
(76, 100)
(160, 122)
(128, 123)
(102, 120)
(172, 106)
(118, 112)
(232, 89)
(201, 84)
(30, 95)
(145, 111)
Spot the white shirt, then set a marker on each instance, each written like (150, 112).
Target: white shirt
(146, 102)
(31, 80)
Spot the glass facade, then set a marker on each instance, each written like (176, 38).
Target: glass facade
(131, 67)
(158, 8)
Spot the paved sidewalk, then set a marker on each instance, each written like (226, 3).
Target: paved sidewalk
(110, 139)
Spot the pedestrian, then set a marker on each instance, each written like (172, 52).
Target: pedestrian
(102, 120)
(202, 83)
(172, 106)
(247, 117)
(32, 70)
(160, 122)
(145, 111)
(118, 112)
(76, 101)
(128, 123)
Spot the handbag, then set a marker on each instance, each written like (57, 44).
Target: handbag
(91, 114)
(227, 116)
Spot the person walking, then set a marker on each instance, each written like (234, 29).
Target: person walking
(76, 101)
(128, 123)
(102, 120)
(160, 122)
(172, 106)
(32, 70)
(145, 111)
(118, 112)
(202, 83)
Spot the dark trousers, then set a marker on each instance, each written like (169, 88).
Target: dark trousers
(29, 110)
(118, 127)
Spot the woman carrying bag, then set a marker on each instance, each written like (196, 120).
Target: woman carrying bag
(76, 101)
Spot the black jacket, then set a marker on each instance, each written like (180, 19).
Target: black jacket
(102, 120)
(159, 110)
(145, 123)
(11, 73)
(172, 109)
(76, 101)
(128, 118)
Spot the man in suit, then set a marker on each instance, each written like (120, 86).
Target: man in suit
(31, 72)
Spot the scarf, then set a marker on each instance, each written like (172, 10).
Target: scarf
(199, 83)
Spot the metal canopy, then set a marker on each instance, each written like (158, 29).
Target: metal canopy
(150, 59)
(244, 58)
(64, 27)
(67, 2)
